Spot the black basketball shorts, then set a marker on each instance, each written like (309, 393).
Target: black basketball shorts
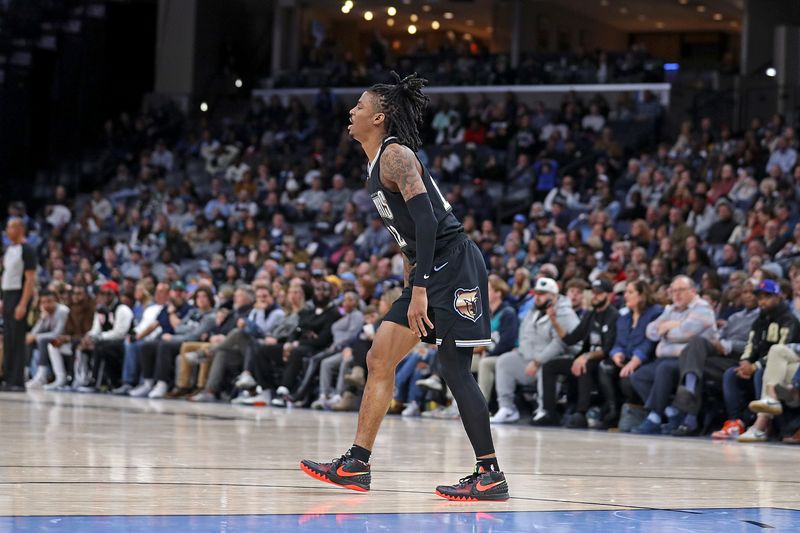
(458, 300)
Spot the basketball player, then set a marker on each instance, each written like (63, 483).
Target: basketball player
(445, 300)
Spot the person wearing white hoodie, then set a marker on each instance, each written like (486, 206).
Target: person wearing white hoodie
(538, 342)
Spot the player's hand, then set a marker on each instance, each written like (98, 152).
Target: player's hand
(418, 312)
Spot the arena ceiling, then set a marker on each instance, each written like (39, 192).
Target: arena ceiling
(627, 15)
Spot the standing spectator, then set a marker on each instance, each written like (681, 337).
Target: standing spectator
(18, 284)
(687, 317)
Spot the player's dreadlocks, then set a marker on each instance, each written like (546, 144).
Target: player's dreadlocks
(403, 103)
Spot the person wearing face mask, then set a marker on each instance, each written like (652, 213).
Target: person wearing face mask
(595, 334)
(538, 343)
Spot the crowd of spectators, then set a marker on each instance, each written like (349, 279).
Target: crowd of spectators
(467, 62)
(245, 262)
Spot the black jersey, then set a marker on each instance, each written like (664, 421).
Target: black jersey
(397, 218)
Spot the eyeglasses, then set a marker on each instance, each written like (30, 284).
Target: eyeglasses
(679, 289)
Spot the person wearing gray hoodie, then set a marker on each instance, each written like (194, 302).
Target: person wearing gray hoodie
(538, 342)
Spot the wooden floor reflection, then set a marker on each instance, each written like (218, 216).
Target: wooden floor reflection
(71, 454)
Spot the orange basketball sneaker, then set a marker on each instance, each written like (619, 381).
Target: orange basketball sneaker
(479, 486)
(346, 471)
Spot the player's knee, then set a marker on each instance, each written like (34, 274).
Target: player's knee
(377, 365)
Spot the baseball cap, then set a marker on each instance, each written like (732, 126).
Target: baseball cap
(603, 285)
(110, 286)
(768, 286)
(520, 218)
(348, 276)
(178, 286)
(546, 285)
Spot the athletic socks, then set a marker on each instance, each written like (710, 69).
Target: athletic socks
(691, 382)
(671, 411)
(654, 417)
(487, 465)
(360, 453)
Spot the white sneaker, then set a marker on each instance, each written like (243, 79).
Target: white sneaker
(333, 400)
(203, 396)
(242, 398)
(447, 413)
(159, 391)
(142, 390)
(434, 413)
(753, 435)
(245, 381)
(505, 415)
(262, 399)
(35, 384)
(767, 405)
(433, 383)
(319, 403)
(412, 409)
(57, 384)
(282, 391)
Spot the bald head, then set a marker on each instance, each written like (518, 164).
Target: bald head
(15, 229)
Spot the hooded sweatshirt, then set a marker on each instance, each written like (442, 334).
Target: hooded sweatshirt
(538, 339)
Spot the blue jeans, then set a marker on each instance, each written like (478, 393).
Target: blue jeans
(405, 380)
(656, 382)
(737, 391)
(130, 367)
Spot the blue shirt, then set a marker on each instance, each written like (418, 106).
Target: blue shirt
(633, 341)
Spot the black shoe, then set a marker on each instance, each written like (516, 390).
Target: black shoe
(577, 421)
(546, 420)
(480, 486)
(788, 395)
(685, 431)
(12, 388)
(345, 471)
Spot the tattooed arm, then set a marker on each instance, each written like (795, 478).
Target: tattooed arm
(399, 172)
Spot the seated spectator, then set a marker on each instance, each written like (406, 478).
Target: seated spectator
(775, 325)
(688, 316)
(595, 334)
(407, 394)
(783, 364)
(704, 359)
(49, 327)
(102, 349)
(631, 350)
(505, 332)
(538, 343)
(79, 322)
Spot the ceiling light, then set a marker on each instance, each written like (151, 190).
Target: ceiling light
(771, 72)
(391, 11)
(426, 8)
(238, 83)
(203, 107)
(345, 9)
(435, 25)
(717, 16)
(414, 17)
(368, 15)
(467, 36)
(349, 4)
(701, 8)
(623, 10)
(390, 22)
(448, 15)
(412, 29)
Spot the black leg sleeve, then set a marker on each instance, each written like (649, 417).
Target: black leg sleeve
(456, 363)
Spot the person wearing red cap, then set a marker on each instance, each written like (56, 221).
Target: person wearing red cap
(112, 322)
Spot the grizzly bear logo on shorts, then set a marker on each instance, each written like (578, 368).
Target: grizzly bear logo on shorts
(467, 303)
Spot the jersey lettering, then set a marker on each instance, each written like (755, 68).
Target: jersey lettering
(379, 199)
(400, 240)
